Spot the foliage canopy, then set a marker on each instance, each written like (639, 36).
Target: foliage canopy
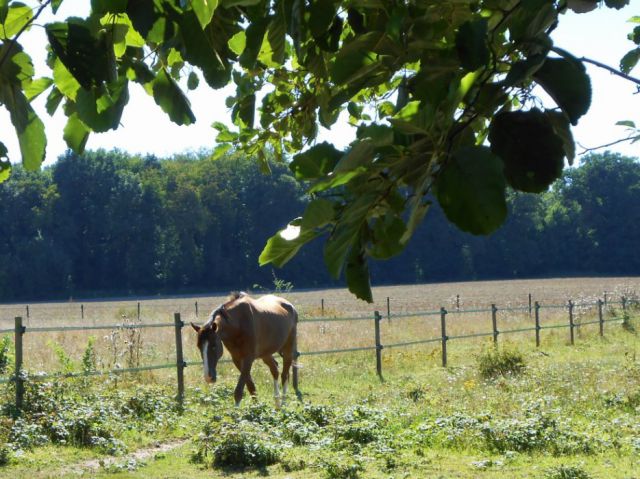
(440, 93)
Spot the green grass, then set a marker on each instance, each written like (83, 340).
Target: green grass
(573, 411)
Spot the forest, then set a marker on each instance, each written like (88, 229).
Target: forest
(109, 223)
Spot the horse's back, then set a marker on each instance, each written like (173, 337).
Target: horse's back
(274, 321)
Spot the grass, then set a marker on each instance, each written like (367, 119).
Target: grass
(571, 412)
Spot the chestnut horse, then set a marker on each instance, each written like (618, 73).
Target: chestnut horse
(250, 329)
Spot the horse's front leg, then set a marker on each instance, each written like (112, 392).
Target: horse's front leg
(245, 378)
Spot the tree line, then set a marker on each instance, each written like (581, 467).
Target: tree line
(110, 223)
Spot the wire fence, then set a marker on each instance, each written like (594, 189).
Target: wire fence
(443, 333)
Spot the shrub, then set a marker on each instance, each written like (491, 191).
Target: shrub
(237, 445)
(340, 468)
(566, 472)
(493, 363)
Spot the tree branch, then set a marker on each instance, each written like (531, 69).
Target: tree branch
(603, 66)
(14, 40)
(621, 140)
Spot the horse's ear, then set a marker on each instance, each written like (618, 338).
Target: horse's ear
(196, 327)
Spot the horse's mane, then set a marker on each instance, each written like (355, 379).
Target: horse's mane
(232, 297)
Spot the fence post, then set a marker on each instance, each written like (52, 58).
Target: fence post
(388, 309)
(443, 327)
(138, 311)
(624, 304)
(27, 312)
(571, 324)
(377, 319)
(605, 298)
(19, 332)
(494, 322)
(600, 317)
(82, 311)
(196, 309)
(180, 364)
(322, 307)
(537, 316)
(529, 304)
(457, 302)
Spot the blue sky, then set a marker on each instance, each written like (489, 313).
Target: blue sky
(600, 35)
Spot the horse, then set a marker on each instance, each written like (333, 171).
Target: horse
(250, 329)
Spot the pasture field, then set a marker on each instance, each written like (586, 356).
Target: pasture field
(558, 412)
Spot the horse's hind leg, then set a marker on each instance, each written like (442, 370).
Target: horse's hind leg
(273, 367)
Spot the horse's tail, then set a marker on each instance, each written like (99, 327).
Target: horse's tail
(296, 354)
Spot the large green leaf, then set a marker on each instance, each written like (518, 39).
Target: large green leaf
(357, 275)
(566, 81)
(33, 89)
(387, 233)
(4, 10)
(318, 213)
(356, 59)
(630, 60)
(171, 99)
(471, 190)
(76, 134)
(316, 162)
(531, 150)
(100, 108)
(18, 15)
(204, 10)
(284, 245)
(471, 44)
(29, 127)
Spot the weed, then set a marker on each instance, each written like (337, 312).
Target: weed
(506, 362)
(566, 472)
(89, 359)
(66, 364)
(5, 354)
(341, 468)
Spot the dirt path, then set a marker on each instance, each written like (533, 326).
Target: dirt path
(135, 456)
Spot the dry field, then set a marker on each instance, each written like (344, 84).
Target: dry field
(119, 348)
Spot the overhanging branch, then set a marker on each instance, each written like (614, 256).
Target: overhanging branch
(603, 66)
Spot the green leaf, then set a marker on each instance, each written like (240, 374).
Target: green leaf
(471, 190)
(281, 247)
(29, 127)
(355, 58)
(531, 150)
(561, 127)
(617, 4)
(18, 15)
(276, 38)
(76, 134)
(53, 101)
(193, 81)
(317, 214)
(566, 81)
(630, 60)
(81, 52)
(64, 80)
(34, 88)
(387, 233)
(471, 44)
(254, 38)
(171, 99)
(101, 107)
(357, 275)
(361, 154)
(627, 123)
(204, 10)
(55, 4)
(4, 10)
(238, 42)
(316, 162)
(5, 164)
(378, 135)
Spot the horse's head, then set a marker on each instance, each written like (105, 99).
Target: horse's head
(210, 347)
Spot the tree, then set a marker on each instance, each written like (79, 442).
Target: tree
(440, 92)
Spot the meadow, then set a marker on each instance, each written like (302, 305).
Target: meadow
(557, 411)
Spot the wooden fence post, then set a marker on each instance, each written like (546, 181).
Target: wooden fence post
(322, 307)
(571, 323)
(138, 311)
(605, 298)
(388, 309)
(529, 304)
(82, 311)
(457, 302)
(624, 304)
(494, 322)
(377, 319)
(180, 364)
(19, 332)
(196, 309)
(27, 312)
(443, 327)
(537, 319)
(600, 317)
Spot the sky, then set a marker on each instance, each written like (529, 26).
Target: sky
(600, 35)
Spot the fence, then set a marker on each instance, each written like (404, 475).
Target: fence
(443, 338)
